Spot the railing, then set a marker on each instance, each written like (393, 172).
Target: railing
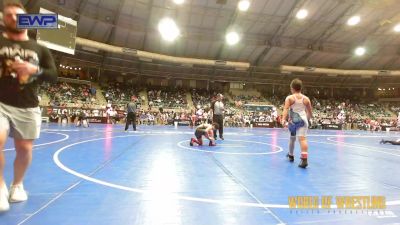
(74, 81)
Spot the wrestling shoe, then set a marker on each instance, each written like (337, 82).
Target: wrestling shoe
(303, 164)
(191, 142)
(290, 157)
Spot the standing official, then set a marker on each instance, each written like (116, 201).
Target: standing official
(131, 110)
(218, 110)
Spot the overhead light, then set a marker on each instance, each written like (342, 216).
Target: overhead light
(301, 14)
(354, 20)
(360, 51)
(168, 29)
(232, 38)
(244, 5)
(179, 2)
(397, 28)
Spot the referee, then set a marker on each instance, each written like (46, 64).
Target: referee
(218, 116)
(131, 110)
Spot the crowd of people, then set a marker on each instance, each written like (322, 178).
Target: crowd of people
(202, 98)
(350, 114)
(244, 99)
(147, 117)
(118, 95)
(64, 94)
(167, 98)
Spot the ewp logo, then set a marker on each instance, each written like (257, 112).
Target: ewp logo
(37, 21)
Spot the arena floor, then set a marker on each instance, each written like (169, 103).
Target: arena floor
(103, 176)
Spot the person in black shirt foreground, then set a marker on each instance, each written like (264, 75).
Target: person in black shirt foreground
(24, 64)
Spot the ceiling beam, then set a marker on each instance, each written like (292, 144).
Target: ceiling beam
(391, 62)
(31, 4)
(84, 2)
(147, 25)
(281, 29)
(233, 20)
(365, 38)
(179, 44)
(324, 35)
(79, 9)
(326, 13)
(162, 72)
(111, 33)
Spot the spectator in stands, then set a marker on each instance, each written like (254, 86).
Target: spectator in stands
(93, 91)
(398, 119)
(112, 115)
(151, 118)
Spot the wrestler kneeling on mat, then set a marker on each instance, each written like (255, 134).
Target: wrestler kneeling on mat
(205, 130)
(82, 119)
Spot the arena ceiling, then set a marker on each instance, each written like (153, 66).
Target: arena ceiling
(271, 35)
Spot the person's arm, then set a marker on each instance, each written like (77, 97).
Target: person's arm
(47, 68)
(285, 110)
(208, 129)
(308, 109)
